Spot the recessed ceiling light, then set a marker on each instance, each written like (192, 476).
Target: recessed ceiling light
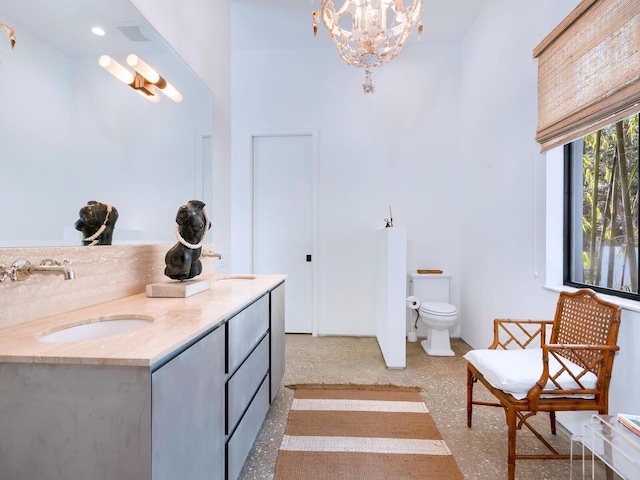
(98, 31)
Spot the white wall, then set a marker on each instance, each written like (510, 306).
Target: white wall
(200, 32)
(513, 232)
(398, 146)
(503, 172)
(448, 139)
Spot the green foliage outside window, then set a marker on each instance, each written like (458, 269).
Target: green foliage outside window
(608, 247)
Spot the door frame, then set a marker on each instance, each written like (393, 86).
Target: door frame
(199, 180)
(199, 164)
(313, 133)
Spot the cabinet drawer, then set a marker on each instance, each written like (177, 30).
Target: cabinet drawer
(244, 330)
(245, 382)
(242, 440)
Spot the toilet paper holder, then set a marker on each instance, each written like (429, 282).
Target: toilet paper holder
(414, 304)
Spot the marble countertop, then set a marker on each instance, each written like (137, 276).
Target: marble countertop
(176, 322)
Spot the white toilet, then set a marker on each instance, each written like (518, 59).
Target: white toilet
(436, 313)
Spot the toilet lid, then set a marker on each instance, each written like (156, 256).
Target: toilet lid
(438, 308)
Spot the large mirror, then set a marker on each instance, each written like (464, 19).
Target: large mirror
(70, 132)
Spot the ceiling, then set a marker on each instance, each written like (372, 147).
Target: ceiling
(66, 25)
(255, 24)
(282, 24)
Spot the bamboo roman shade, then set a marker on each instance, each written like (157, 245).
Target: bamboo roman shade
(588, 71)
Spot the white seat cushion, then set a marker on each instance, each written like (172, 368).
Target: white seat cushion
(517, 371)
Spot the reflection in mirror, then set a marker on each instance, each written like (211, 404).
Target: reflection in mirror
(71, 133)
(97, 222)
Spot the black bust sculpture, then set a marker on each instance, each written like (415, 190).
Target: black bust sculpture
(183, 259)
(97, 221)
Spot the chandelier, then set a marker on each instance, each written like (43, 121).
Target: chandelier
(369, 33)
(10, 33)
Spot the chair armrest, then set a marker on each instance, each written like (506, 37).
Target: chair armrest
(576, 361)
(521, 333)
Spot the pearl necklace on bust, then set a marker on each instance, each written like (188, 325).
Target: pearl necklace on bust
(207, 226)
(94, 238)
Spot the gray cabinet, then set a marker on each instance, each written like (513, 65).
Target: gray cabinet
(247, 385)
(187, 414)
(242, 386)
(277, 338)
(193, 416)
(74, 422)
(255, 368)
(244, 332)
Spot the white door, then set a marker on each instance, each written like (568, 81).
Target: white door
(283, 220)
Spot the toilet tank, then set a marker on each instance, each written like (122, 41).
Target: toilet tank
(430, 287)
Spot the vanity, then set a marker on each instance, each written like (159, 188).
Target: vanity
(183, 396)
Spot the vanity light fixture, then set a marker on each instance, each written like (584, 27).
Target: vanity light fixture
(154, 77)
(144, 79)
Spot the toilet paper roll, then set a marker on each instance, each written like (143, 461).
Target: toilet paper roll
(413, 303)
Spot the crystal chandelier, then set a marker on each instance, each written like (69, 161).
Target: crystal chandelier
(10, 33)
(369, 33)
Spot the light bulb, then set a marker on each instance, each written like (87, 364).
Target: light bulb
(142, 68)
(171, 92)
(115, 69)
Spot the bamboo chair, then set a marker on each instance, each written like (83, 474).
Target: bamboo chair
(573, 373)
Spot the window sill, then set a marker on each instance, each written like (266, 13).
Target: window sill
(625, 303)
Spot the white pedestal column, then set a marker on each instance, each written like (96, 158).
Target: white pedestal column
(391, 295)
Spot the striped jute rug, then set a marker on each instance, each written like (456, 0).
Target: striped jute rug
(370, 432)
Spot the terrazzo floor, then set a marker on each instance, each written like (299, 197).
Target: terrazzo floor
(481, 451)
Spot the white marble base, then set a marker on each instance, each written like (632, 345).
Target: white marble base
(176, 289)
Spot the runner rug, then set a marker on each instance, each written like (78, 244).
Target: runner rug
(371, 432)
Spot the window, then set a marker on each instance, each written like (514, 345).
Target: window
(588, 94)
(601, 210)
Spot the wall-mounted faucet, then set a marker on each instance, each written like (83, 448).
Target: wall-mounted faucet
(22, 268)
(211, 254)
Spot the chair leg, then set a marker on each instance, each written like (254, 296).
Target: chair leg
(469, 396)
(552, 420)
(511, 445)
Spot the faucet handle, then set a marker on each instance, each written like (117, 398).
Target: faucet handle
(50, 262)
(11, 273)
(20, 269)
(4, 273)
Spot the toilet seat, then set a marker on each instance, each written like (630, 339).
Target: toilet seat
(438, 309)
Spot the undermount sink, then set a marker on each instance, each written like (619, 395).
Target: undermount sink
(95, 328)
